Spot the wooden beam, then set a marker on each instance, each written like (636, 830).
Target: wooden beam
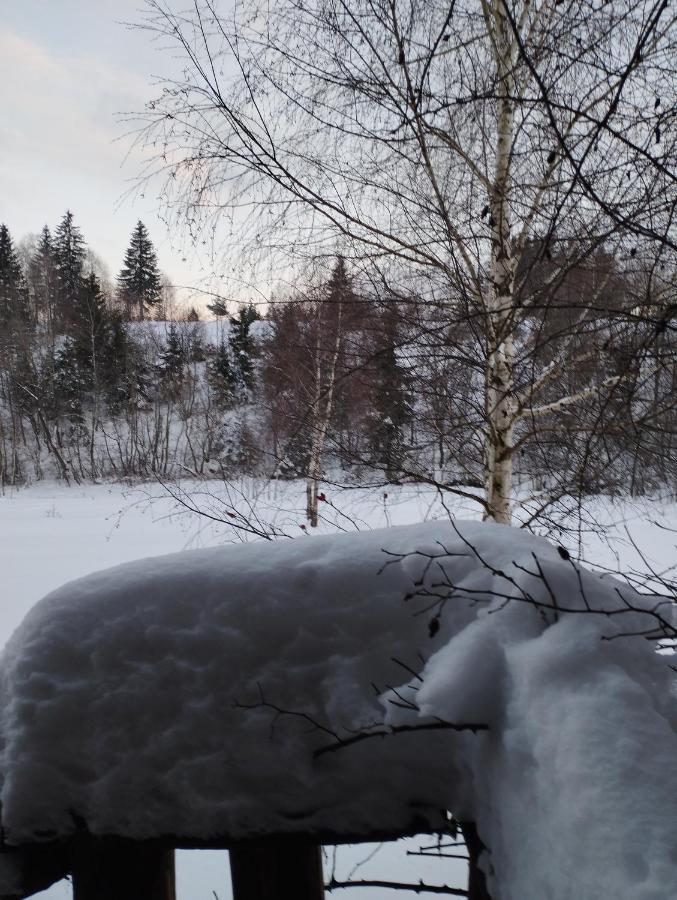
(111, 868)
(277, 869)
(37, 868)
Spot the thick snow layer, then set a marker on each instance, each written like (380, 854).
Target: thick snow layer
(146, 700)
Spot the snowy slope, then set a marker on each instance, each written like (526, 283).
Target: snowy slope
(125, 694)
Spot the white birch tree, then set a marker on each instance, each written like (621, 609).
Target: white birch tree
(446, 139)
(328, 344)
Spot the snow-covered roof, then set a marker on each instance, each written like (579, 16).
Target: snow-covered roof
(203, 695)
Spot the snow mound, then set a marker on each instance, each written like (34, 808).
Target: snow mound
(202, 695)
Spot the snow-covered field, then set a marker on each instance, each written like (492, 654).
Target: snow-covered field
(51, 534)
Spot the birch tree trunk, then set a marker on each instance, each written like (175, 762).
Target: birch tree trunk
(500, 405)
(321, 409)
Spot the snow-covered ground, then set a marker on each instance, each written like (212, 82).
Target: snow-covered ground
(51, 534)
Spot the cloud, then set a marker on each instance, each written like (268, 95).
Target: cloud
(64, 109)
(63, 146)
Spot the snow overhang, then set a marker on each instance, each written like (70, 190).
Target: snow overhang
(339, 688)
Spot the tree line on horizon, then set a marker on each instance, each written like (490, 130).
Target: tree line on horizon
(46, 274)
(335, 381)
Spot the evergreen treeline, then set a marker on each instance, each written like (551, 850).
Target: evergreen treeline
(335, 382)
(68, 360)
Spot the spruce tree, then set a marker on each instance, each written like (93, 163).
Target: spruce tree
(339, 289)
(82, 362)
(14, 312)
(218, 307)
(243, 347)
(90, 329)
(172, 362)
(391, 410)
(139, 279)
(69, 256)
(121, 371)
(222, 378)
(42, 278)
(69, 386)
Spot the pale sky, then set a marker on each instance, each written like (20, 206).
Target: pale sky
(69, 69)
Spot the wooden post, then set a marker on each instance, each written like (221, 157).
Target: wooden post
(477, 883)
(277, 869)
(115, 869)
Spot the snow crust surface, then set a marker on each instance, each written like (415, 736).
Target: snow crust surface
(188, 695)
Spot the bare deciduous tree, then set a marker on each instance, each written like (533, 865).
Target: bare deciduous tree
(443, 137)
